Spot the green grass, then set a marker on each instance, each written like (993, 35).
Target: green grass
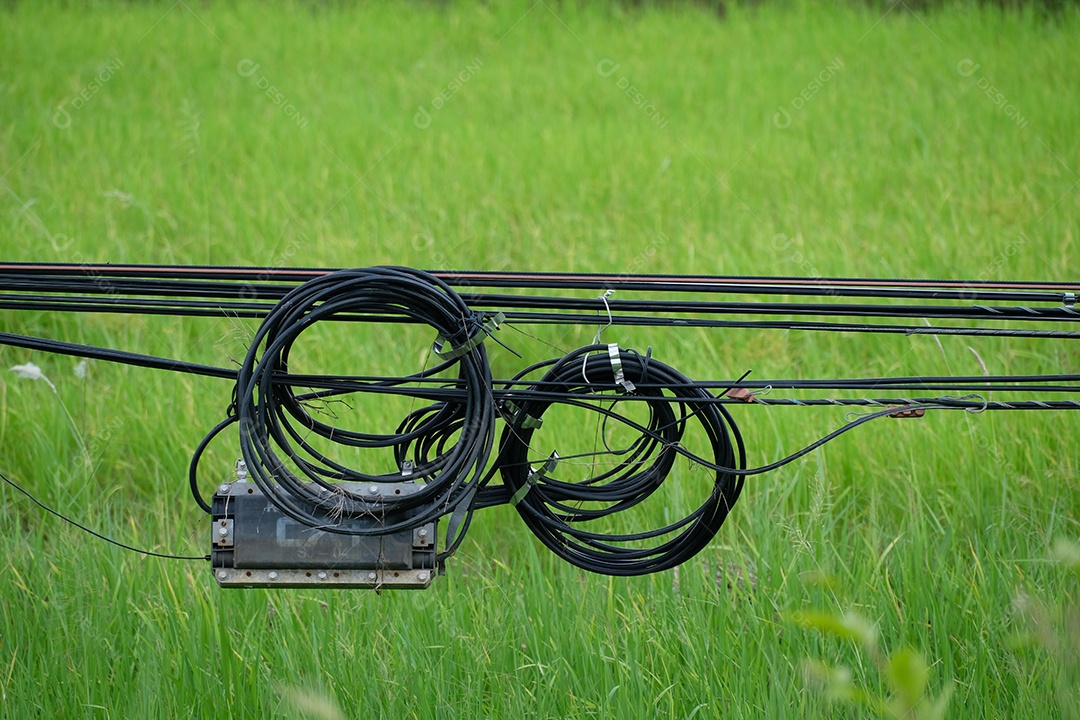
(898, 164)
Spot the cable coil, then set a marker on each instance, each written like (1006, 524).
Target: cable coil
(581, 505)
(273, 418)
(546, 504)
(446, 445)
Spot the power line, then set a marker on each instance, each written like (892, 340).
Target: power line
(446, 449)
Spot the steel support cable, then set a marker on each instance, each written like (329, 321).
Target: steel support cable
(654, 321)
(588, 281)
(227, 306)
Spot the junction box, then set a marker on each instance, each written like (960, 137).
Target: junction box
(255, 545)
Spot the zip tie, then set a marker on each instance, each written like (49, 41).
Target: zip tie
(490, 325)
(616, 368)
(535, 477)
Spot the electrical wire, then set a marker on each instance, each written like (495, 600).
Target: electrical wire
(270, 413)
(96, 534)
(442, 449)
(544, 502)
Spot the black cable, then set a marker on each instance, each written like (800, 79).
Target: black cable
(96, 534)
(231, 301)
(196, 457)
(270, 413)
(544, 501)
(60, 347)
(443, 447)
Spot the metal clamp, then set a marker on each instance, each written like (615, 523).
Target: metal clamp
(527, 422)
(489, 326)
(616, 368)
(535, 477)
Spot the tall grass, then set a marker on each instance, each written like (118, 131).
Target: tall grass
(815, 140)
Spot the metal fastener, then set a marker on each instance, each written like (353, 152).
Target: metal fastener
(223, 531)
(372, 576)
(224, 489)
(222, 575)
(322, 576)
(273, 575)
(423, 532)
(374, 489)
(422, 577)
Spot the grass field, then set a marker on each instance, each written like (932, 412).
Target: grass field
(800, 140)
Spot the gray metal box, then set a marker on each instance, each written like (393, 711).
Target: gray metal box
(255, 545)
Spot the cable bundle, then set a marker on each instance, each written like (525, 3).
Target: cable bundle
(447, 444)
(551, 507)
(443, 448)
(274, 420)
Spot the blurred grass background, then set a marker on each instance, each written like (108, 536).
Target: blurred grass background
(798, 139)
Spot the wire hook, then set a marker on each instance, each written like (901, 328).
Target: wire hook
(599, 329)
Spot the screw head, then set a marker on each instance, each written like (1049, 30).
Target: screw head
(423, 532)
(273, 575)
(374, 489)
(222, 575)
(224, 489)
(372, 576)
(223, 531)
(322, 576)
(422, 577)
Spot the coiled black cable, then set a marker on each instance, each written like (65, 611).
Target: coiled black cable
(274, 421)
(442, 449)
(544, 502)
